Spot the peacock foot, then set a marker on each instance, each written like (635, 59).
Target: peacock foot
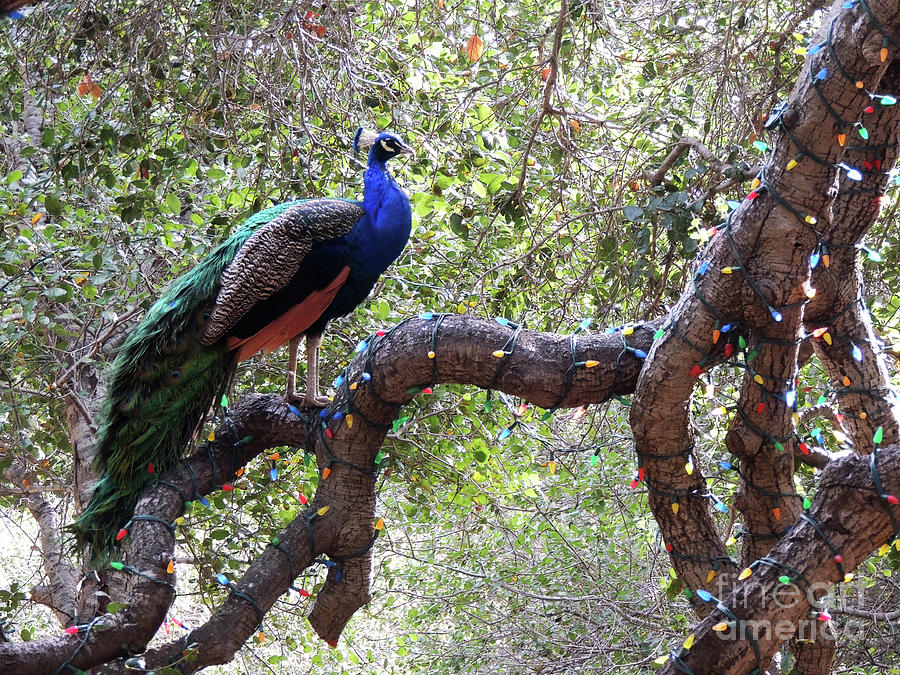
(307, 400)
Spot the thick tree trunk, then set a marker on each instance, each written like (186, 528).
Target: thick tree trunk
(769, 241)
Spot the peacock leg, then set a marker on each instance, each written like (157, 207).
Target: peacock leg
(312, 399)
(291, 394)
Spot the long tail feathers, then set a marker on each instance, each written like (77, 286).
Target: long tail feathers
(161, 386)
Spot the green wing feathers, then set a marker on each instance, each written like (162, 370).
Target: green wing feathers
(162, 383)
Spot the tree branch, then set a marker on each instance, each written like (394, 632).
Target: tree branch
(687, 143)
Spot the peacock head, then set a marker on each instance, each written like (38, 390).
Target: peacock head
(383, 146)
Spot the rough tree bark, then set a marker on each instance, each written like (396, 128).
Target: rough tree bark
(537, 370)
(768, 242)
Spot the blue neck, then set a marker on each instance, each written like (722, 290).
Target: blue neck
(386, 231)
(377, 180)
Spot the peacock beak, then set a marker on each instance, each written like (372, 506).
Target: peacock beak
(406, 150)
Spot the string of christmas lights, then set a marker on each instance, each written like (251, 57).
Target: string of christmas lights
(724, 326)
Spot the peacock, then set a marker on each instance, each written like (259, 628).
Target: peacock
(284, 274)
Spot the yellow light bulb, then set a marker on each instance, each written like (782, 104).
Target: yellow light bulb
(746, 572)
(499, 353)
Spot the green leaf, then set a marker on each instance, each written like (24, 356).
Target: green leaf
(53, 205)
(458, 227)
(114, 607)
(632, 213)
(173, 204)
(56, 293)
(13, 177)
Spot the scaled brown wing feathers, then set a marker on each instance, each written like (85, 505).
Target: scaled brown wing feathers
(272, 256)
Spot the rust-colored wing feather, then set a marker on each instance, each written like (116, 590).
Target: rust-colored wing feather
(293, 322)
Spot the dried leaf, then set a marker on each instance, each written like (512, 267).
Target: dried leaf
(88, 86)
(474, 48)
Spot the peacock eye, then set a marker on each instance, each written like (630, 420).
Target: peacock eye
(388, 145)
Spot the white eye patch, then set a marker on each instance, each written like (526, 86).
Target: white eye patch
(387, 146)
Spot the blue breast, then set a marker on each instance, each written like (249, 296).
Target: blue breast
(369, 249)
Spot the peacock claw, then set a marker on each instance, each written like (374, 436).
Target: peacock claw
(306, 400)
